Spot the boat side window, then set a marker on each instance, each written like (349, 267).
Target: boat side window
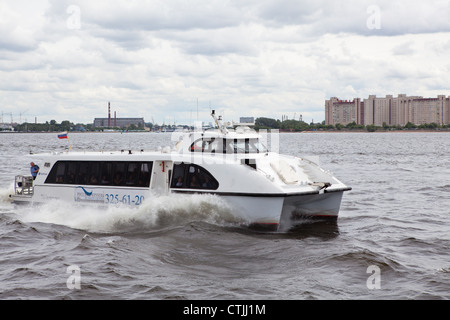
(192, 176)
(229, 145)
(60, 172)
(94, 173)
(107, 173)
(246, 145)
(119, 174)
(72, 168)
(131, 174)
(217, 146)
(82, 176)
(144, 175)
(209, 145)
(178, 176)
(255, 146)
(57, 173)
(236, 146)
(240, 146)
(193, 179)
(197, 146)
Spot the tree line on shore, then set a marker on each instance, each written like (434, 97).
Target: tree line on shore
(51, 126)
(65, 125)
(296, 125)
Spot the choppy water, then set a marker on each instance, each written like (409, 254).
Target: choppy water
(391, 241)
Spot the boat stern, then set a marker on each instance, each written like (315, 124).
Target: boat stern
(23, 189)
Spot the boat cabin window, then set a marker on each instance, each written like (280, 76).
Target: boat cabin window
(229, 146)
(101, 173)
(192, 176)
(209, 145)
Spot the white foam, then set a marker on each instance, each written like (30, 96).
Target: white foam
(154, 213)
(4, 195)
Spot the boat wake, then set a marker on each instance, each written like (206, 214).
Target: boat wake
(154, 214)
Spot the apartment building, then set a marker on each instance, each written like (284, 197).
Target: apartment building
(342, 111)
(390, 110)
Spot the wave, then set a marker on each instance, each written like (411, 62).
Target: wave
(368, 257)
(4, 194)
(155, 213)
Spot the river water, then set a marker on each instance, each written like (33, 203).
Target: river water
(391, 240)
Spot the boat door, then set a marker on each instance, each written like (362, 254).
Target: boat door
(161, 177)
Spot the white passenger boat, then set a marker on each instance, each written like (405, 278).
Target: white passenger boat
(261, 187)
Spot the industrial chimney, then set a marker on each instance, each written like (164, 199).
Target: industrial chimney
(109, 115)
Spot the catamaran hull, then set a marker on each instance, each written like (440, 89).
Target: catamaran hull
(280, 212)
(269, 212)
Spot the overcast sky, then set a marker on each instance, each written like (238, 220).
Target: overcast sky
(65, 60)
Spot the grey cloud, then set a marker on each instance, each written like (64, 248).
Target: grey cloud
(290, 12)
(353, 16)
(159, 15)
(15, 44)
(237, 40)
(202, 27)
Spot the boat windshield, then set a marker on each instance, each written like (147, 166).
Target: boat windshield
(227, 145)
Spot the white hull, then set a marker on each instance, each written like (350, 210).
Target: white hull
(259, 211)
(279, 213)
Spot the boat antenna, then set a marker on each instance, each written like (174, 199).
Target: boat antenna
(219, 123)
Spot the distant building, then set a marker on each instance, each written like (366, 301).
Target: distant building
(343, 111)
(118, 122)
(389, 110)
(246, 119)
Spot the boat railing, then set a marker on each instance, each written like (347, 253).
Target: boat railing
(24, 185)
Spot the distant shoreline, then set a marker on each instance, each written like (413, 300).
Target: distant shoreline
(365, 131)
(268, 130)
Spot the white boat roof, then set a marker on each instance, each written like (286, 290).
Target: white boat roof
(239, 133)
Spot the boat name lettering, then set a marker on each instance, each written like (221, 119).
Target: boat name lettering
(88, 195)
(124, 199)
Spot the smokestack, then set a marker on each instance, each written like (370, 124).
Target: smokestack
(109, 115)
(115, 119)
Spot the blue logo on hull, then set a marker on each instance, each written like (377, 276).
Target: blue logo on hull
(86, 192)
(83, 195)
